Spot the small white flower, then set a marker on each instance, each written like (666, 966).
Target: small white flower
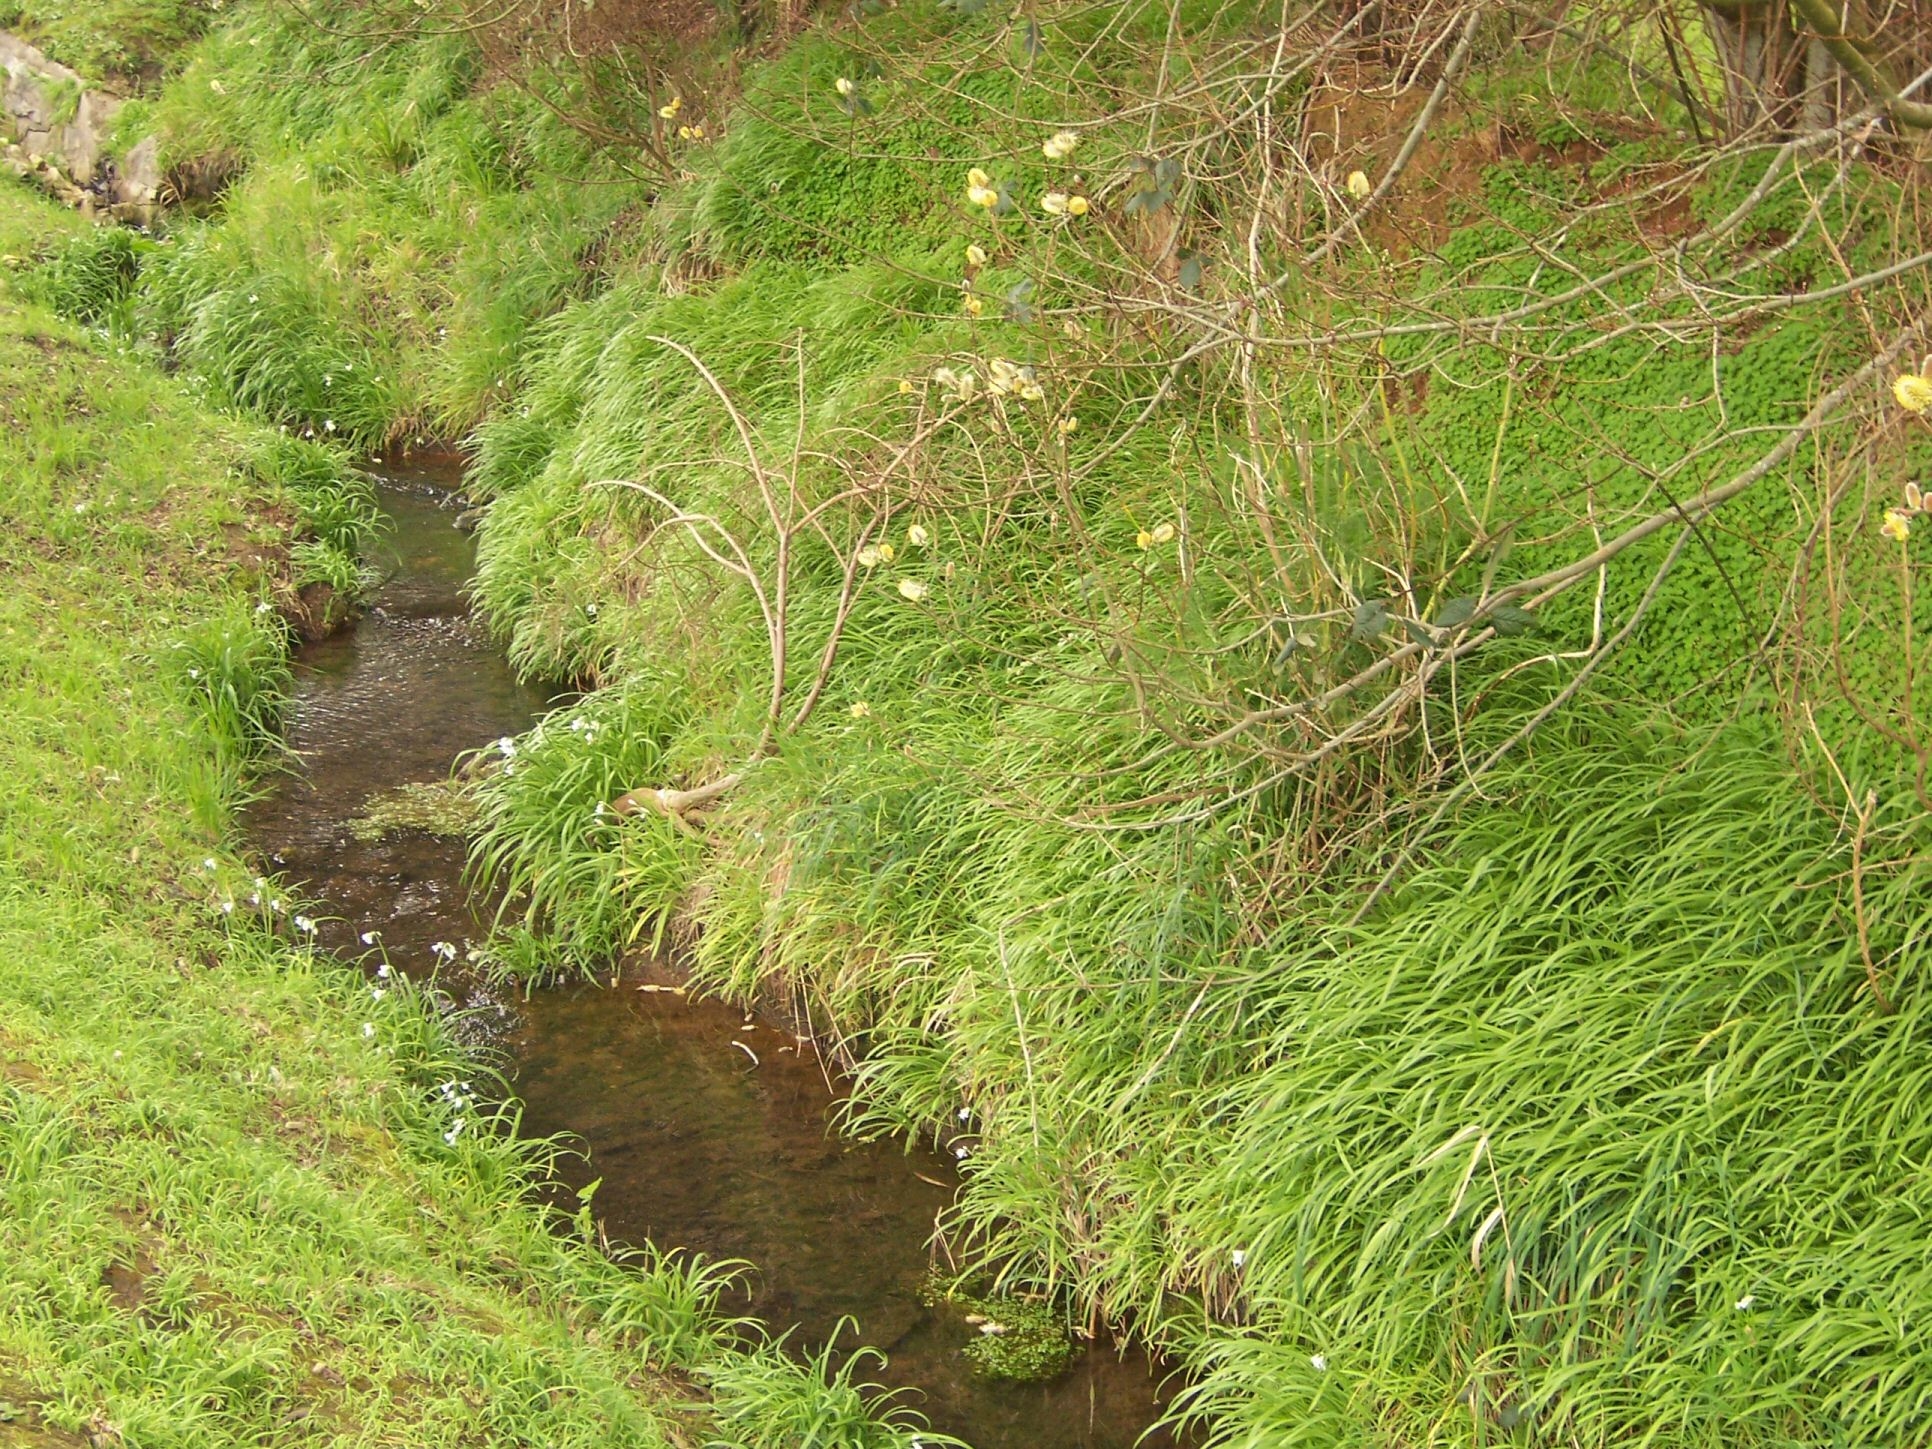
(917, 536)
(1318, 1362)
(368, 1030)
(1240, 1256)
(455, 1131)
(1743, 1304)
(208, 864)
(194, 674)
(843, 85)
(869, 556)
(961, 1152)
(444, 951)
(382, 971)
(263, 607)
(328, 425)
(1059, 145)
(305, 925)
(228, 908)
(507, 746)
(368, 938)
(376, 993)
(912, 590)
(965, 1114)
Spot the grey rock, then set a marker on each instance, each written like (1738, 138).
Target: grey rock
(52, 112)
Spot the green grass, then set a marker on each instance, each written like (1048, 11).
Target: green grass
(1591, 1131)
(130, 44)
(243, 1197)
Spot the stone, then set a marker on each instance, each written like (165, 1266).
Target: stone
(53, 113)
(137, 175)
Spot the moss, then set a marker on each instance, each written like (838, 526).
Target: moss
(439, 807)
(1024, 1339)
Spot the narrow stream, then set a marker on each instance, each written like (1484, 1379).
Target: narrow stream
(698, 1145)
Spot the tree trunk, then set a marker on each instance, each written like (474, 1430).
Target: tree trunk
(1762, 61)
(1824, 95)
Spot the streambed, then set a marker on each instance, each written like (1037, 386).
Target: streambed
(709, 1130)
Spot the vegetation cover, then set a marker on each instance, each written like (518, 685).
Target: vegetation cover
(247, 1195)
(1300, 623)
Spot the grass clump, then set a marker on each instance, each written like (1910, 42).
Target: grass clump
(549, 840)
(131, 44)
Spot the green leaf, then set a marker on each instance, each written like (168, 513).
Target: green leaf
(1510, 621)
(1190, 276)
(1456, 612)
(1418, 631)
(1371, 618)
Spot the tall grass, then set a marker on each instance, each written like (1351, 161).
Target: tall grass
(551, 846)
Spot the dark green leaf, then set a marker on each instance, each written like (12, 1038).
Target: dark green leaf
(1511, 621)
(1418, 631)
(1371, 618)
(1456, 612)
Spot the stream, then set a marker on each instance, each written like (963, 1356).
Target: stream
(710, 1130)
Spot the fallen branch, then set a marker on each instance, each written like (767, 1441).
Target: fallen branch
(677, 805)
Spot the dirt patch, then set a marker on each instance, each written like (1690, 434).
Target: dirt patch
(318, 611)
(21, 1426)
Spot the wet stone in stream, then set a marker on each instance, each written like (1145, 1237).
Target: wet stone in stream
(710, 1133)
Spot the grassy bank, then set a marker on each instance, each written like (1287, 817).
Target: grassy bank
(1374, 789)
(234, 1204)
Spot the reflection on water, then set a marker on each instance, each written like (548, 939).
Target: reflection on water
(710, 1131)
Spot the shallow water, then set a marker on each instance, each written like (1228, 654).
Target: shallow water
(710, 1130)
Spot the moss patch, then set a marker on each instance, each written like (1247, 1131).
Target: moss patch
(436, 807)
(1017, 1338)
